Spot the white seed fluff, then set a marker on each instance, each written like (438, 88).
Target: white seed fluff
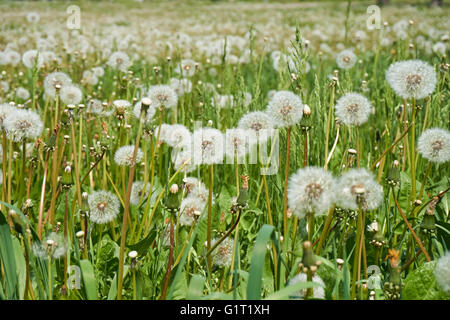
(285, 108)
(346, 59)
(124, 156)
(318, 292)
(104, 206)
(311, 191)
(191, 208)
(434, 145)
(353, 109)
(412, 78)
(119, 60)
(208, 146)
(55, 78)
(71, 94)
(223, 253)
(442, 272)
(163, 96)
(23, 124)
(355, 179)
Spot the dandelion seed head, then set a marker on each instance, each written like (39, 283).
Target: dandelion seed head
(285, 108)
(55, 78)
(5, 109)
(137, 192)
(124, 156)
(223, 253)
(150, 111)
(104, 206)
(238, 142)
(434, 145)
(187, 68)
(21, 124)
(119, 60)
(346, 59)
(207, 146)
(71, 94)
(351, 182)
(183, 159)
(52, 246)
(442, 272)
(411, 78)
(163, 96)
(178, 136)
(32, 57)
(318, 292)
(311, 190)
(191, 208)
(353, 109)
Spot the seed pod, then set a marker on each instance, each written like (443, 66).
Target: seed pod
(173, 202)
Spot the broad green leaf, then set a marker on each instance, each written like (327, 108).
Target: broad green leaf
(89, 280)
(7, 259)
(421, 284)
(20, 267)
(196, 286)
(257, 263)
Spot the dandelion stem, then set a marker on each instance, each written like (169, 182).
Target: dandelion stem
(211, 181)
(327, 135)
(325, 230)
(427, 256)
(126, 213)
(286, 180)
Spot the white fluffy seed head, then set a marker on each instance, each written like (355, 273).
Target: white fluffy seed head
(183, 159)
(311, 191)
(163, 96)
(191, 207)
(355, 179)
(346, 59)
(119, 60)
(31, 58)
(223, 253)
(353, 109)
(22, 93)
(53, 79)
(179, 136)
(434, 145)
(318, 292)
(5, 109)
(124, 156)
(442, 272)
(181, 86)
(104, 206)
(207, 146)
(285, 108)
(238, 143)
(21, 124)
(187, 68)
(137, 192)
(256, 121)
(412, 79)
(71, 94)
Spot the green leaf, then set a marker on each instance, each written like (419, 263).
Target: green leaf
(196, 286)
(20, 267)
(421, 284)
(89, 280)
(257, 263)
(7, 259)
(179, 287)
(142, 246)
